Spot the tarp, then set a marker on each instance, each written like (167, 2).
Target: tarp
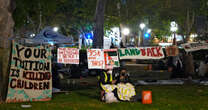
(48, 36)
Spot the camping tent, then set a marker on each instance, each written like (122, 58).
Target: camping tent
(48, 36)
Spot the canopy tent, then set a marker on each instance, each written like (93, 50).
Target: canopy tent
(48, 36)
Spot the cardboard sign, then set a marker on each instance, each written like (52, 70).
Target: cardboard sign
(95, 59)
(68, 55)
(111, 58)
(141, 53)
(189, 47)
(172, 51)
(30, 77)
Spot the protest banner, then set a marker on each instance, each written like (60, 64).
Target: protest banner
(30, 77)
(194, 46)
(95, 59)
(141, 53)
(68, 55)
(172, 51)
(111, 58)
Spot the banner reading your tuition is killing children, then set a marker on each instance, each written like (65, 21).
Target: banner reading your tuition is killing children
(30, 77)
(141, 53)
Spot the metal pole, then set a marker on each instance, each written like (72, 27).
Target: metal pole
(142, 38)
(174, 38)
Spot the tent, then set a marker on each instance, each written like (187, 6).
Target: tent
(48, 36)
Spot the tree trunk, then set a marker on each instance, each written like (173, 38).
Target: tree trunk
(99, 24)
(6, 30)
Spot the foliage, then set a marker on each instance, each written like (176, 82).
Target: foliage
(76, 17)
(73, 16)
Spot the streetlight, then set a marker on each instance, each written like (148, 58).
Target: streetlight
(174, 28)
(142, 26)
(149, 31)
(55, 29)
(32, 35)
(126, 31)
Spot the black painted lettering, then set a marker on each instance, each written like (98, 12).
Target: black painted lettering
(43, 53)
(28, 53)
(13, 83)
(18, 50)
(36, 53)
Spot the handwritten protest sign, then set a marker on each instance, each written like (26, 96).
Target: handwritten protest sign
(95, 59)
(141, 53)
(189, 47)
(111, 58)
(68, 55)
(30, 77)
(172, 51)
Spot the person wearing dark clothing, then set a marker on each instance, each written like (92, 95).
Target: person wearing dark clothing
(177, 68)
(106, 77)
(124, 76)
(206, 59)
(170, 64)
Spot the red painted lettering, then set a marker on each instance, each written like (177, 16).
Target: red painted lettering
(149, 52)
(143, 52)
(153, 52)
(158, 51)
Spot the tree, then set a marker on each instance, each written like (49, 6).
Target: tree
(6, 31)
(74, 17)
(99, 24)
(33, 15)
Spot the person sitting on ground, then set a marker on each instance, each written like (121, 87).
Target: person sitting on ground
(124, 76)
(125, 90)
(106, 78)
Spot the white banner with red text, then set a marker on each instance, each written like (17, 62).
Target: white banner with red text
(68, 55)
(102, 58)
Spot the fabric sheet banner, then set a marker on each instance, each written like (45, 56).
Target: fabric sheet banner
(68, 55)
(95, 59)
(102, 58)
(30, 77)
(111, 58)
(172, 51)
(189, 47)
(141, 53)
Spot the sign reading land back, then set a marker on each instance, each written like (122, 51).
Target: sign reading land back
(30, 77)
(141, 53)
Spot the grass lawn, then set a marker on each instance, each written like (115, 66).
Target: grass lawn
(164, 98)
